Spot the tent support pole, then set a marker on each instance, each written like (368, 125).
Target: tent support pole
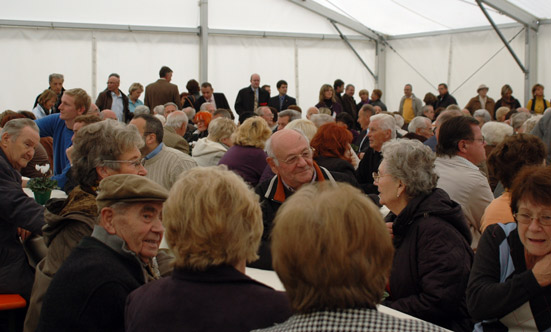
(502, 37)
(343, 37)
(204, 44)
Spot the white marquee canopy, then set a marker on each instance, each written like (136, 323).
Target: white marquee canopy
(392, 42)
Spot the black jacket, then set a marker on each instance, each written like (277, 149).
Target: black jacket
(287, 101)
(245, 100)
(445, 101)
(89, 291)
(219, 99)
(272, 194)
(432, 261)
(369, 164)
(17, 210)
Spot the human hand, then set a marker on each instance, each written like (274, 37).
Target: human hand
(389, 228)
(542, 271)
(23, 233)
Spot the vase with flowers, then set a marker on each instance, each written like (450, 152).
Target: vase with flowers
(42, 186)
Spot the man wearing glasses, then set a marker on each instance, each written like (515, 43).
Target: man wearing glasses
(290, 158)
(460, 149)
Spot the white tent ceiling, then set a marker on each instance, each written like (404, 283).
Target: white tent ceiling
(87, 40)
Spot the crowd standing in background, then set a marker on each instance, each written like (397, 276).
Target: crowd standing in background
(432, 209)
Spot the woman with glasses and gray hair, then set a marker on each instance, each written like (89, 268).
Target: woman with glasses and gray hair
(433, 257)
(100, 149)
(509, 287)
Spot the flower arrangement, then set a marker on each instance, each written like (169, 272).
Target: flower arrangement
(44, 183)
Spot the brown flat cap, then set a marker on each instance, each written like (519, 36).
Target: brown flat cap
(128, 188)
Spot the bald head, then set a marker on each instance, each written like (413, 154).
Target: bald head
(255, 81)
(107, 114)
(290, 157)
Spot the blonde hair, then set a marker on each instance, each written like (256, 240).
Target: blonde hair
(221, 128)
(331, 249)
(218, 222)
(306, 126)
(253, 132)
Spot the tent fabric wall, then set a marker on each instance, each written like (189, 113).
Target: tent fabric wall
(86, 57)
(431, 56)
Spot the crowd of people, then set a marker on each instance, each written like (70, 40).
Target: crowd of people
(439, 212)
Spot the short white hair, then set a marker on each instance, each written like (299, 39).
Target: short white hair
(386, 122)
(159, 109)
(161, 118)
(190, 112)
(176, 119)
(321, 119)
(484, 114)
(418, 122)
(494, 132)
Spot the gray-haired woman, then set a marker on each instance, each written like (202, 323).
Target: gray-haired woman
(433, 258)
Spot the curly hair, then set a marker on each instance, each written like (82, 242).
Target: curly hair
(98, 142)
(514, 152)
(412, 162)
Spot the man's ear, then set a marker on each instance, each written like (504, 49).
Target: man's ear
(462, 146)
(107, 216)
(151, 139)
(5, 138)
(272, 164)
(81, 110)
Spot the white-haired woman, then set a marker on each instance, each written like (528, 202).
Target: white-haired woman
(433, 258)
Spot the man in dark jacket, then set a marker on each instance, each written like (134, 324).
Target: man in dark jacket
(251, 97)
(89, 291)
(282, 101)
(19, 211)
(114, 99)
(444, 99)
(290, 158)
(218, 99)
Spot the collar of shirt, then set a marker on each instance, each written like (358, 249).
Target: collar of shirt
(154, 152)
(467, 162)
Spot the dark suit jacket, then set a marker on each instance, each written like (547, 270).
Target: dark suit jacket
(105, 101)
(160, 93)
(288, 101)
(349, 106)
(245, 100)
(219, 99)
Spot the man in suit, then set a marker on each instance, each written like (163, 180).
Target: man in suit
(218, 99)
(282, 101)
(251, 97)
(56, 85)
(162, 91)
(114, 99)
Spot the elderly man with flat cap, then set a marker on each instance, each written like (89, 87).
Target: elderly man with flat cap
(90, 289)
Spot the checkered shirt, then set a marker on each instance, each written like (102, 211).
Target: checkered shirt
(350, 320)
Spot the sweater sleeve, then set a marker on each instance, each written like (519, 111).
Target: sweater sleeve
(487, 297)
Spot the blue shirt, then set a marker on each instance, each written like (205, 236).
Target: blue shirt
(53, 126)
(117, 106)
(132, 106)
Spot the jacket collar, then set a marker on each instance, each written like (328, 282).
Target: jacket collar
(282, 192)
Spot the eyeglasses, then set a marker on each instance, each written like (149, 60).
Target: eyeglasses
(307, 154)
(134, 162)
(376, 176)
(524, 218)
(482, 140)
